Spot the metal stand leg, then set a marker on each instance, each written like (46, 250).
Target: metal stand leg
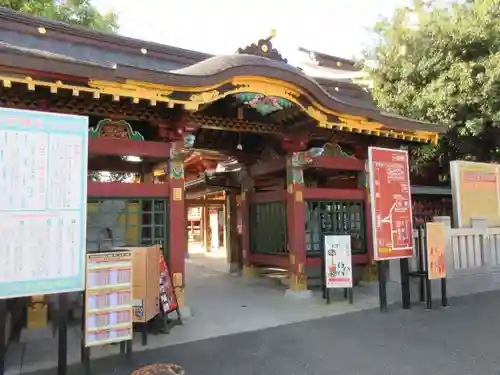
(382, 287)
(444, 295)
(3, 323)
(62, 358)
(428, 290)
(405, 283)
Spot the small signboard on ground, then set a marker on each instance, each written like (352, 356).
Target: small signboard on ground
(43, 200)
(436, 247)
(338, 262)
(391, 203)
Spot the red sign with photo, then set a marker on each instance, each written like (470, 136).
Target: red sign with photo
(168, 299)
(391, 203)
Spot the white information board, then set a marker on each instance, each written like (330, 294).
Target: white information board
(338, 261)
(43, 200)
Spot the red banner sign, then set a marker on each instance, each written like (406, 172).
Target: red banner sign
(168, 299)
(391, 203)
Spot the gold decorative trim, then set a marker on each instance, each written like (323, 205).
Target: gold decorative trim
(205, 97)
(137, 91)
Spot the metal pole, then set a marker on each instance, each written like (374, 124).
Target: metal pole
(382, 287)
(3, 323)
(62, 358)
(444, 295)
(420, 253)
(405, 283)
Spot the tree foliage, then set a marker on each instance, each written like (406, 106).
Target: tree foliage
(442, 64)
(74, 12)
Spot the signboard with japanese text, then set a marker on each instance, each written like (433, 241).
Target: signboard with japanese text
(168, 299)
(43, 202)
(338, 261)
(476, 192)
(436, 245)
(390, 203)
(108, 306)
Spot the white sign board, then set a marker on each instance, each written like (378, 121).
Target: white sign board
(338, 261)
(43, 200)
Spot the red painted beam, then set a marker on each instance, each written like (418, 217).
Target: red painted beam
(271, 196)
(268, 167)
(269, 260)
(342, 164)
(126, 190)
(123, 147)
(344, 194)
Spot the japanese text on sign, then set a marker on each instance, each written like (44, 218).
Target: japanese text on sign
(108, 313)
(391, 203)
(338, 261)
(43, 200)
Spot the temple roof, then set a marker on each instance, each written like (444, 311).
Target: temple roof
(38, 44)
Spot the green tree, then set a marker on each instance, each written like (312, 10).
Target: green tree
(74, 12)
(442, 64)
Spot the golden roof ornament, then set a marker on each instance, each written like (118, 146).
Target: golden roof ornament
(264, 48)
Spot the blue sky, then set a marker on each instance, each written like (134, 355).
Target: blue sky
(335, 27)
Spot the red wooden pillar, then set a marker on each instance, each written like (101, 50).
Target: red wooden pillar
(177, 220)
(370, 270)
(296, 227)
(247, 186)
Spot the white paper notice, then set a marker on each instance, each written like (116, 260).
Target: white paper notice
(43, 196)
(338, 261)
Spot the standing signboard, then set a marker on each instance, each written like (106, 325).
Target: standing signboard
(168, 299)
(43, 197)
(108, 307)
(338, 261)
(436, 243)
(476, 193)
(391, 203)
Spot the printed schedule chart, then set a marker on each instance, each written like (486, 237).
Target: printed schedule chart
(43, 196)
(108, 306)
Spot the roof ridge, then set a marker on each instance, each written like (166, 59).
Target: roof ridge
(27, 19)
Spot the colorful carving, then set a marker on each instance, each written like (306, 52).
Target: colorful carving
(333, 149)
(298, 161)
(115, 130)
(179, 152)
(264, 104)
(302, 158)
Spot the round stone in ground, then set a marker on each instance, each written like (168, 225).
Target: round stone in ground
(160, 369)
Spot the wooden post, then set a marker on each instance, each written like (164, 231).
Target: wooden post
(296, 228)
(177, 220)
(232, 242)
(249, 270)
(370, 270)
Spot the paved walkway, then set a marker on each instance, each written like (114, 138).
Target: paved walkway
(221, 305)
(461, 340)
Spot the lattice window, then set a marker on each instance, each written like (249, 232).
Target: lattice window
(334, 217)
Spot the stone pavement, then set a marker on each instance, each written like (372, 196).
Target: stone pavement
(221, 305)
(460, 340)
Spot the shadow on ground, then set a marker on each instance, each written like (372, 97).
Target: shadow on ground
(462, 339)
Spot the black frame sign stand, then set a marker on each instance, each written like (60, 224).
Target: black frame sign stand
(422, 274)
(62, 323)
(348, 292)
(3, 323)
